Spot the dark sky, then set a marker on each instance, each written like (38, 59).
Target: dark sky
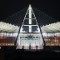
(50, 7)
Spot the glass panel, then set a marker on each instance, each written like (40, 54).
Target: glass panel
(27, 16)
(34, 28)
(26, 22)
(33, 16)
(26, 28)
(34, 22)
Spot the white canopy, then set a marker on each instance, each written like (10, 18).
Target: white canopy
(6, 27)
(53, 27)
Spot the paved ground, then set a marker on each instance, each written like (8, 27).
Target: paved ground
(13, 54)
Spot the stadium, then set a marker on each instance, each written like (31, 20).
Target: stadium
(8, 35)
(50, 33)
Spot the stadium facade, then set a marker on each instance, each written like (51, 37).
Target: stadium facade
(30, 35)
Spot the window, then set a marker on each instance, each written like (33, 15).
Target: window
(26, 28)
(34, 22)
(26, 22)
(34, 28)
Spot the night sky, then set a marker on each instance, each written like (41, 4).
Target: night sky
(9, 7)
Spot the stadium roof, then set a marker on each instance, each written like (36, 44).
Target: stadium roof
(53, 27)
(50, 28)
(17, 18)
(6, 27)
